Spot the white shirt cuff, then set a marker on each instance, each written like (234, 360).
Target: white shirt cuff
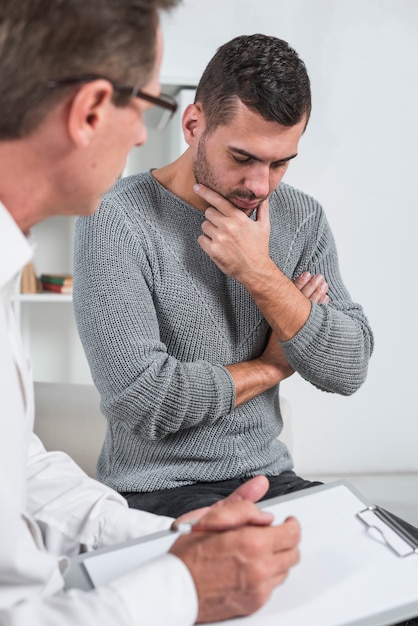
(160, 592)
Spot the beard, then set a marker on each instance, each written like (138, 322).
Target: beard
(206, 175)
(203, 172)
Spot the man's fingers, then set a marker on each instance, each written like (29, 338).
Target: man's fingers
(263, 211)
(253, 490)
(319, 294)
(313, 287)
(302, 280)
(231, 515)
(213, 198)
(290, 535)
(275, 539)
(276, 566)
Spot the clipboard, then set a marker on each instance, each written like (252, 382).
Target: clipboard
(93, 569)
(398, 538)
(350, 574)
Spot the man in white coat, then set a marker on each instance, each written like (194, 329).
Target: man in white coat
(77, 78)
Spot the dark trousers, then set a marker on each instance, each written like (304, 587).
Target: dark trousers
(175, 502)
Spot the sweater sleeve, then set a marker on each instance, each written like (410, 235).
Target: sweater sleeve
(154, 393)
(333, 348)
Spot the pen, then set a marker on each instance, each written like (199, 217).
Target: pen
(192, 526)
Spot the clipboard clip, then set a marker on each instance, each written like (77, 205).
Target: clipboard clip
(393, 534)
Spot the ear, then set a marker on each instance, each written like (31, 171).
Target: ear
(193, 123)
(89, 110)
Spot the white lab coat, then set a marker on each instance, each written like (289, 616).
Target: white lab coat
(50, 509)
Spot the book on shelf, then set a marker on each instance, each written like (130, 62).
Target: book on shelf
(57, 283)
(65, 289)
(57, 279)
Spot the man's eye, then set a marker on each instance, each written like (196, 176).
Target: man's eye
(241, 159)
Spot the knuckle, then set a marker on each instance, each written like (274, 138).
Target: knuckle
(257, 574)
(253, 543)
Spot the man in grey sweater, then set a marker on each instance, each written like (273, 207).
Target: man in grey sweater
(201, 285)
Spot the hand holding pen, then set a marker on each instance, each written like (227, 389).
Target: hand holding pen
(235, 556)
(221, 516)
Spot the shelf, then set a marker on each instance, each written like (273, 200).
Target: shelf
(40, 298)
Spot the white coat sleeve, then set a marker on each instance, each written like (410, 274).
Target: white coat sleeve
(75, 512)
(158, 594)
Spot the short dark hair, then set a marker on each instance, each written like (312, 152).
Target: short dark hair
(262, 71)
(42, 40)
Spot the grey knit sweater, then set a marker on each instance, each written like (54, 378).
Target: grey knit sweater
(159, 321)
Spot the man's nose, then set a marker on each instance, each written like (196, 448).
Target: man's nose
(258, 182)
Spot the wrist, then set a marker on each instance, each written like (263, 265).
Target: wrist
(272, 372)
(258, 278)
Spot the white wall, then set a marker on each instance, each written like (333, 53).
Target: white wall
(49, 330)
(359, 158)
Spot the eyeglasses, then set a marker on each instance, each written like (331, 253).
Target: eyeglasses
(158, 117)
